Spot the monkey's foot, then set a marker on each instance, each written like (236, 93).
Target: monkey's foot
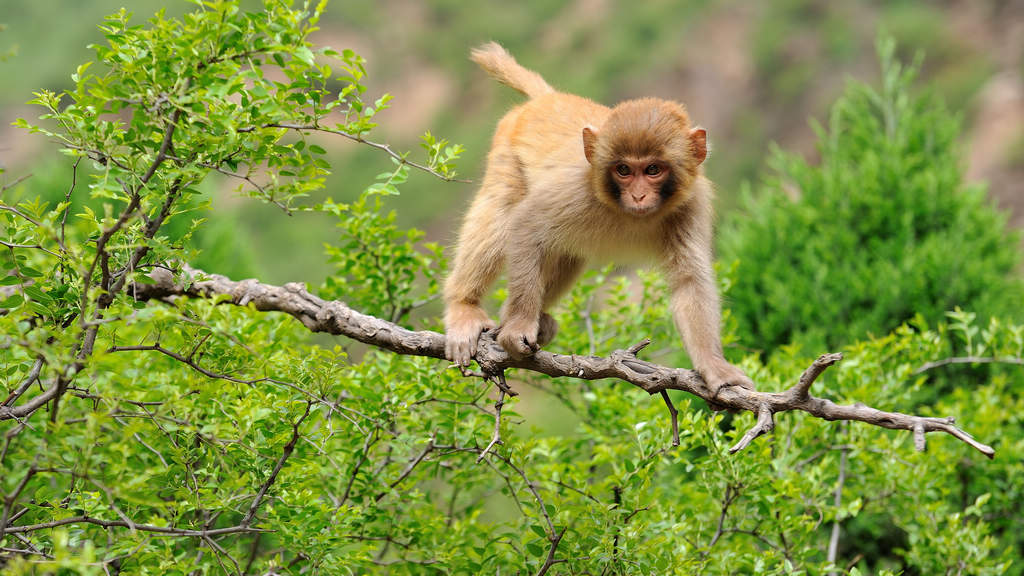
(547, 329)
(519, 337)
(722, 375)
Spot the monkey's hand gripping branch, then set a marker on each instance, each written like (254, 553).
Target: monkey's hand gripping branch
(334, 317)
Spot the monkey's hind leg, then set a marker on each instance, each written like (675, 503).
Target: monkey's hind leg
(547, 329)
(525, 326)
(559, 273)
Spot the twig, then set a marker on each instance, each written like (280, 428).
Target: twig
(408, 469)
(550, 526)
(67, 199)
(30, 246)
(400, 158)
(550, 560)
(970, 360)
(833, 541)
(803, 386)
(17, 181)
(371, 439)
(765, 423)
(9, 499)
(731, 494)
(188, 361)
(674, 414)
(285, 453)
(16, 412)
(169, 530)
(578, 491)
(17, 212)
(496, 438)
(32, 376)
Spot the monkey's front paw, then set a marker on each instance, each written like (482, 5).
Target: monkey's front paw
(519, 338)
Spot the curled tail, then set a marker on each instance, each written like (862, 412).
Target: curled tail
(497, 62)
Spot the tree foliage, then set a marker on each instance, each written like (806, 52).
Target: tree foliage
(880, 229)
(187, 437)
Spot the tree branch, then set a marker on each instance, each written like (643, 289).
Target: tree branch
(140, 527)
(333, 317)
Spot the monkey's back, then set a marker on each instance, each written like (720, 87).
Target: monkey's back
(538, 149)
(549, 129)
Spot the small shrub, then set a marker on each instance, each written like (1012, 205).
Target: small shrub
(881, 228)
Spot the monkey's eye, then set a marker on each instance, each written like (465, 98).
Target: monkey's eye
(652, 170)
(623, 170)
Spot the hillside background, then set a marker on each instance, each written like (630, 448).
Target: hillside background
(754, 75)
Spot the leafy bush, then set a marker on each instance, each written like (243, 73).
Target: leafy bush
(882, 228)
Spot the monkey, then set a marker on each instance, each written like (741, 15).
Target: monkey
(568, 181)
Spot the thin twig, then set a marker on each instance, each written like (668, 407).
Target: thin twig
(17, 212)
(286, 452)
(496, 437)
(333, 406)
(408, 469)
(67, 199)
(833, 541)
(169, 530)
(30, 378)
(17, 181)
(970, 360)
(400, 158)
(29, 246)
(674, 414)
(731, 493)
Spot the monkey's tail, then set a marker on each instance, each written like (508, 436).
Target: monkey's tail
(497, 62)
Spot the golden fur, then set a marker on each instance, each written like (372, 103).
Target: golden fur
(570, 181)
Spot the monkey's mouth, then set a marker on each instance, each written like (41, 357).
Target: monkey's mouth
(640, 210)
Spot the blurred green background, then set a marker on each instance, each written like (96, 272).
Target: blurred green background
(753, 74)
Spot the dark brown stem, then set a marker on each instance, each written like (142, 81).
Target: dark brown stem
(122, 524)
(286, 452)
(550, 561)
(408, 469)
(674, 414)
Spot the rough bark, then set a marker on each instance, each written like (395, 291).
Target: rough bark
(335, 317)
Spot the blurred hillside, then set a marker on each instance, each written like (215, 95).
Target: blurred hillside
(752, 74)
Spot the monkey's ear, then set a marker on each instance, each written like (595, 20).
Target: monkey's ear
(699, 144)
(589, 142)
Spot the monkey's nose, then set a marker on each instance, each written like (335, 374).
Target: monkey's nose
(639, 198)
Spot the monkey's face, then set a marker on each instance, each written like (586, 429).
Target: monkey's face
(640, 185)
(645, 156)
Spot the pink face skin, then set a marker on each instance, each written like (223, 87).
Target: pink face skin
(641, 183)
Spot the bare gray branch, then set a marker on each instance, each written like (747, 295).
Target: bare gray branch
(334, 317)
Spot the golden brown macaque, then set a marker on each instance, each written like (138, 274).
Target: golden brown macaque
(569, 181)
